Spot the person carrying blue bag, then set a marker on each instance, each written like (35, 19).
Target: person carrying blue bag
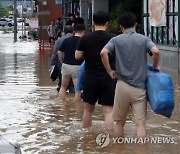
(160, 92)
(130, 50)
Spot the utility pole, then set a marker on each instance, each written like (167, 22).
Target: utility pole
(25, 15)
(15, 20)
(22, 19)
(32, 8)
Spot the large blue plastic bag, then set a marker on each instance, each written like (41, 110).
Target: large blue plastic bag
(80, 79)
(160, 93)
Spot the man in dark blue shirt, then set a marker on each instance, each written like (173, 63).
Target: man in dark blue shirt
(68, 30)
(69, 64)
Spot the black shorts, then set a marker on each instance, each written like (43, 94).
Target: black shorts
(101, 91)
(51, 38)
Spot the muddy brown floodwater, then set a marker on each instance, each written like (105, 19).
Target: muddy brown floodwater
(31, 113)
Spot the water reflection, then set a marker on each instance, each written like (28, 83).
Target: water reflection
(43, 67)
(32, 114)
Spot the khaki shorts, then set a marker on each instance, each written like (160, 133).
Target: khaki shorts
(69, 71)
(126, 96)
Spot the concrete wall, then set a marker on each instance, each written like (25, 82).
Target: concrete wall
(100, 5)
(170, 61)
(84, 10)
(97, 5)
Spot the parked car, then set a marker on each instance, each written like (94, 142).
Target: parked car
(19, 20)
(11, 17)
(26, 24)
(9, 146)
(5, 22)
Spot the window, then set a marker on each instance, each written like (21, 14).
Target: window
(166, 34)
(70, 6)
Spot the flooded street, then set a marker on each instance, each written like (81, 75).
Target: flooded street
(31, 113)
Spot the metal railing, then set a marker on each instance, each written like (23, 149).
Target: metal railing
(164, 35)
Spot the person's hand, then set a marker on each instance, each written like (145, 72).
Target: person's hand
(156, 68)
(112, 74)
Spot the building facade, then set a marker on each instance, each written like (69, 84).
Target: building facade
(165, 32)
(47, 10)
(166, 35)
(85, 7)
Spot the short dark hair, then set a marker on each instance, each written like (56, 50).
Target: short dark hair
(59, 19)
(77, 13)
(127, 20)
(68, 29)
(79, 28)
(70, 14)
(100, 18)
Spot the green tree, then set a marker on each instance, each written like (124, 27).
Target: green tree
(119, 7)
(4, 10)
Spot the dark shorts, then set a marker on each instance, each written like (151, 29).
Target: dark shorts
(101, 91)
(51, 38)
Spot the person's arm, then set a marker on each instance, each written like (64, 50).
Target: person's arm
(60, 51)
(73, 25)
(105, 61)
(79, 55)
(156, 57)
(48, 30)
(150, 46)
(109, 48)
(60, 56)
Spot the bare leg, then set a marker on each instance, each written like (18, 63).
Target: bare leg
(77, 93)
(140, 111)
(77, 96)
(109, 122)
(64, 85)
(87, 115)
(119, 128)
(141, 129)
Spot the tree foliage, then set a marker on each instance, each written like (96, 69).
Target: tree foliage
(5, 10)
(119, 7)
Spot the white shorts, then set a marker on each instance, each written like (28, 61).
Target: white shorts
(70, 71)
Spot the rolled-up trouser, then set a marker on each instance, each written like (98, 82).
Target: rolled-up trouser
(126, 96)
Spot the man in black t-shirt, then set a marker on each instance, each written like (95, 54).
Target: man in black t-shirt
(59, 27)
(78, 19)
(70, 65)
(98, 86)
(70, 21)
